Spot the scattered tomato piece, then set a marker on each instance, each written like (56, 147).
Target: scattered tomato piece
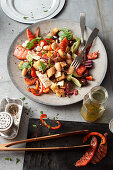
(93, 55)
(90, 78)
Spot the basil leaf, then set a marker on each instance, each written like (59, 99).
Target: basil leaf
(64, 32)
(17, 160)
(25, 65)
(20, 66)
(48, 41)
(42, 67)
(35, 126)
(30, 44)
(8, 159)
(64, 29)
(41, 112)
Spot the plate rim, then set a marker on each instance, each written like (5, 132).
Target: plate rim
(42, 102)
(56, 12)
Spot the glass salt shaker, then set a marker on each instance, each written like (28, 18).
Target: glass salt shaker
(94, 103)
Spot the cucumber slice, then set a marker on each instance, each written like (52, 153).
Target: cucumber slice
(75, 81)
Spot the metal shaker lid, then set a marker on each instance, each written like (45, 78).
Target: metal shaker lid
(6, 121)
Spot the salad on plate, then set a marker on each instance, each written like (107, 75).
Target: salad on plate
(45, 63)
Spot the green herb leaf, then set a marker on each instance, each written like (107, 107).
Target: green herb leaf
(23, 98)
(17, 160)
(35, 126)
(41, 112)
(25, 65)
(44, 52)
(48, 41)
(64, 32)
(8, 159)
(26, 103)
(46, 11)
(49, 126)
(25, 17)
(42, 67)
(49, 37)
(30, 44)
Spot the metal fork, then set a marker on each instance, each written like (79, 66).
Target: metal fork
(82, 27)
(78, 60)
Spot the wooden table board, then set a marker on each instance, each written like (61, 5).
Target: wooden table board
(64, 160)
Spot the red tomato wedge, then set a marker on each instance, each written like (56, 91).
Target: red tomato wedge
(37, 32)
(64, 44)
(80, 70)
(30, 35)
(20, 52)
(86, 158)
(92, 56)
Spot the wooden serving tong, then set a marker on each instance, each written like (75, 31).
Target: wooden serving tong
(5, 147)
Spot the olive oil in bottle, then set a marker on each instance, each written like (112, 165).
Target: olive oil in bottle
(94, 104)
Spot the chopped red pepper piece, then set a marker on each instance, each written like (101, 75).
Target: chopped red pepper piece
(80, 70)
(37, 32)
(30, 35)
(93, 55)
(48, 126)
(89, 78)
(86, 158)
(33, 72)
(103, 139)
(64, 44)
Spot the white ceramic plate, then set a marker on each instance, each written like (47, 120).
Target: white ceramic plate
(31, 11)
(98, 71)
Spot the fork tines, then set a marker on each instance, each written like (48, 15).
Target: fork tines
(76, 62)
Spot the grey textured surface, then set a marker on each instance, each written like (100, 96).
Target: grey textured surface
(99, 13)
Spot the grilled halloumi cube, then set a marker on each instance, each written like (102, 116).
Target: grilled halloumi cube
(44, 79)
(25, 43)
(58, 74)
(55, 31)
(60, 83)
(37, 64)
(33, 55)
(51, 71)
(62, 77)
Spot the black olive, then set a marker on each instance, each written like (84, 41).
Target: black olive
(70, 43)
(84, 82)
(86, 73)
(57, 40)
(70, 52)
